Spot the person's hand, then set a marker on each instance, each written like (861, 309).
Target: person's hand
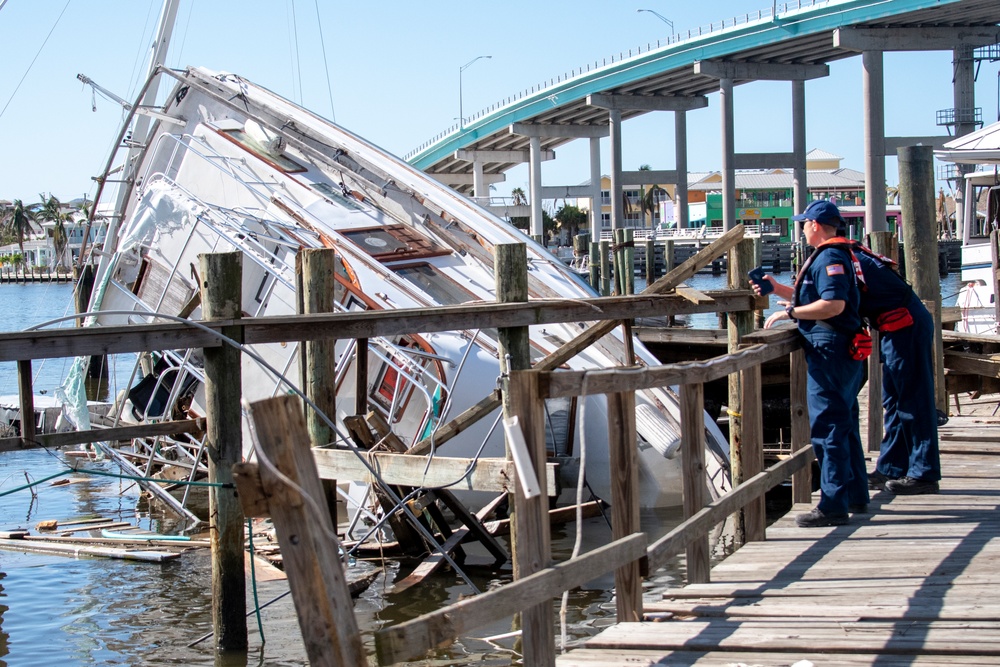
(777, 316)
(756, 286)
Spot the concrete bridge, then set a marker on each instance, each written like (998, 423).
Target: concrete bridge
(791, 41)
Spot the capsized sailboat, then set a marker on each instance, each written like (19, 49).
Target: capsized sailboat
(230, 166)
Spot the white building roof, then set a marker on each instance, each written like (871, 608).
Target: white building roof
(818, 154)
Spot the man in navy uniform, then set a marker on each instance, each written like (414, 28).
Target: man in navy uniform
(824, 303)
(909, 461)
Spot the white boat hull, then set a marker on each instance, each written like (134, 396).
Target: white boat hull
(268, 179)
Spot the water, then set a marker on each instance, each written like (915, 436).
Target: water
(58, 610)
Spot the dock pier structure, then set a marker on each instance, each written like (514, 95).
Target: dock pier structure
(905, 583)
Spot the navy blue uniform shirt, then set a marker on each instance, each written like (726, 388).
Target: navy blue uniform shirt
(884, 288)
(830, 276)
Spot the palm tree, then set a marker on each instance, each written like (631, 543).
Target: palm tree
(651, 202)
(520, 199)
(17, 219)
(50, 210)
(891, 194)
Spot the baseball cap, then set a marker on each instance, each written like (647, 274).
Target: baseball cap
(822, 211)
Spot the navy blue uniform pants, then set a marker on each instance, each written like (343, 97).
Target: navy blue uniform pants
(833, 381)
(910, 445)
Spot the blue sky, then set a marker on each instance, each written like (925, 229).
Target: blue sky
(394, 76)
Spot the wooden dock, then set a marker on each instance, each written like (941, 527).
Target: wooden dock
(912, 582)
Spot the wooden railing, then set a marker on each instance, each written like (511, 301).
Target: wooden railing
(630, 554)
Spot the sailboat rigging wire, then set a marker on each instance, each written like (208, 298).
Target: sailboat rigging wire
(295, 44)
(32, 63)
(326, 64)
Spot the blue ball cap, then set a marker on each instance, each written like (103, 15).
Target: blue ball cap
(822, 211)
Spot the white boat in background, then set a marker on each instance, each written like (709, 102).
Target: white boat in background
(977, 299)
(228, 166)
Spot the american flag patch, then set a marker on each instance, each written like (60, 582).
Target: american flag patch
(835, 270)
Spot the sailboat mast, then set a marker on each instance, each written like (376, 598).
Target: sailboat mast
(157, 57)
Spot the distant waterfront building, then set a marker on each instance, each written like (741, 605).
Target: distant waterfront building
(764, 198)
(39, 248)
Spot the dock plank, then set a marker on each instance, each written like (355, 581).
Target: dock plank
(910, 582)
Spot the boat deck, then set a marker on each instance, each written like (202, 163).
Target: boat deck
(911, 582)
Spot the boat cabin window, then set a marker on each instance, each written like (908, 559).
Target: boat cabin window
(443, 290)
(390, 243)
(276, 160)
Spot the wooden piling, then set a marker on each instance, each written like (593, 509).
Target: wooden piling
(221, 276)
(316, 283)
(581, 243)
(309, 548)
(530, 537)
(624, 459)
(605, 263)
(510, 268)
(26, 397)
(650, 261)
(594, 265)
(627, 281)
(798, 390)
(739, 324)
(98, 366)
(752, 449)
(916, 199)
(531, 533)
(695, 484)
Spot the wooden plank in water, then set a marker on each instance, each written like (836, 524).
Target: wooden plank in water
(77, 551)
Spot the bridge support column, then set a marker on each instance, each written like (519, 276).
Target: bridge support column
(681, 161)
(617, 214)
(800, 188)
(965, 120)
(728, 155)
(535, 173)
(595, 188)
(874, 101)
(479, 188)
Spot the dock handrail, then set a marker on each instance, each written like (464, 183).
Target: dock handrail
(631, 554)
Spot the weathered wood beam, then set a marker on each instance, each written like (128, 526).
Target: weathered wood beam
(587, 383)
(677, 539)
(311, 558)
(414, 638)
(20, 345)
(52, 440)
(482, 474)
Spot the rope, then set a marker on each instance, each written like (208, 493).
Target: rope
(578, 542)
(253, 580)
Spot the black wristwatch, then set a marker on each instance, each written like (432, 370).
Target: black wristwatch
(790, 311)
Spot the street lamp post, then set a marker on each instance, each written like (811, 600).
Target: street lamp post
(461, 117)
(661, 17)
